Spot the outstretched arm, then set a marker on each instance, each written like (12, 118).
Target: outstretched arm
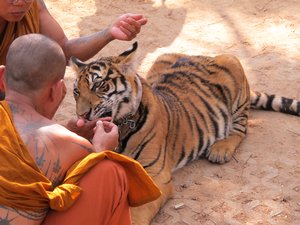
(126, 27)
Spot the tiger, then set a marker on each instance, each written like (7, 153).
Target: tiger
(187, 107)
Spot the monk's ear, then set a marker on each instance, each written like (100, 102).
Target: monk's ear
(51, 98)
(58, 91)
(2, 72)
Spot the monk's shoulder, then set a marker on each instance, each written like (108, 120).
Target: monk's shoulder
(55, 148)
(41, 5)
(62, 137)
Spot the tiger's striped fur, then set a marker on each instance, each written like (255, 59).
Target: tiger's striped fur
(187, 107)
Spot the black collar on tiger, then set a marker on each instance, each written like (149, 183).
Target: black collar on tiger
(130, 125)
(132, 122)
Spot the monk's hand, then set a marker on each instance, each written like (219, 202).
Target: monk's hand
(127, 26)
(106, 136)
(84, 127)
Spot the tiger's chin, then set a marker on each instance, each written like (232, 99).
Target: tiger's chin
(118, 114)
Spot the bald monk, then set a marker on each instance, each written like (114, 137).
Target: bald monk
(50, 175)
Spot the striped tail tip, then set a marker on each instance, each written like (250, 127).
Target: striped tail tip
(276, 103)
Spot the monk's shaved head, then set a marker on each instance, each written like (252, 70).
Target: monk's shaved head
(33, 62)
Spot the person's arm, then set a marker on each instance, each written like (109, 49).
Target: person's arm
(125, 28)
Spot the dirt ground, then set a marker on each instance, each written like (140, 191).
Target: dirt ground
(261, 186)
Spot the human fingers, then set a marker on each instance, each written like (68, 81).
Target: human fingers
(142, 21)
(80, 122)
(99, 124)
(92, 123)
(105, 140)
(115, 130)
(134, 16)
(99, 130)
(107, 126)
(99, 137)
(139, 18)
(110, 127)
(126, 34)
(105, 119)
(134, 24)
(112, 137)
(129, 28)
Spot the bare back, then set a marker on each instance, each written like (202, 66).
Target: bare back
(53, 148)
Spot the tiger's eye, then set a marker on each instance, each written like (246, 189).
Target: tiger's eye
(105, 88)
(76, 92)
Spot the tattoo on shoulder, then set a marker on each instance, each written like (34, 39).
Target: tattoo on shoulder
(25, 124)
(89, 150)
(33, 215)
(12, 214)
(15, 109)
(40, 143)
(6, 220)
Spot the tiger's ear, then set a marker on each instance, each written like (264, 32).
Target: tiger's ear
(125, 61)
(76, 64)
(129, 52)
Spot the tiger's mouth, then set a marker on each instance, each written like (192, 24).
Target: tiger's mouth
(86, 116)
(106, 114)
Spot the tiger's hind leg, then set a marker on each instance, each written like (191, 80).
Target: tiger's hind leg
(223, 150)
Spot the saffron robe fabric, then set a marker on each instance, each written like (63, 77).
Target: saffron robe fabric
(30, 23)
(24, 187)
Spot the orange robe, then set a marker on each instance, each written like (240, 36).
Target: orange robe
(24, 187)
(30, 23)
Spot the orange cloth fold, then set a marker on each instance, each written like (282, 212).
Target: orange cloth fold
(24, 187)
(30, 23)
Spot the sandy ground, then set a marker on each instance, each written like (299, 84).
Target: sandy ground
(261, 186)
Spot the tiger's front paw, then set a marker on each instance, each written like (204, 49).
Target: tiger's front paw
(221, 152)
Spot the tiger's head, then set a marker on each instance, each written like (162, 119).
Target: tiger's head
(108, 86)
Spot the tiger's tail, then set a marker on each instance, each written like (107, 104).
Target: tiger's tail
(276, 103)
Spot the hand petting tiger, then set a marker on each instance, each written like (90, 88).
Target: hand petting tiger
(186, 108)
